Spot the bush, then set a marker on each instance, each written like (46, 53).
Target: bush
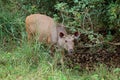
(83, 16)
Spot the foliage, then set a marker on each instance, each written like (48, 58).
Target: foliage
(91, 16)
(76, 15)
(99, 11)
(11, 22)
(32, 62)
(22, 61)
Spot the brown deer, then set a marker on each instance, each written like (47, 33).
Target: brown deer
(47, 30)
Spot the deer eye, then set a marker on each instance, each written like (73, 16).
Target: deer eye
(66, 41)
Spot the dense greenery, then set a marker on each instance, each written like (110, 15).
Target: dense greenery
(32, 62)
(83, 14)
(86, 16)
(21, 61)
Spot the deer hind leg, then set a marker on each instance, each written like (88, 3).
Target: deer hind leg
(52, 46)
(48, 40)
(29, 36)
(29, 33)
(52, 50)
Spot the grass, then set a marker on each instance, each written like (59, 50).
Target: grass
(33, 62)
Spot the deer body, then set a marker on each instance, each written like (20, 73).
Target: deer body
(47, 30)
(43, 26)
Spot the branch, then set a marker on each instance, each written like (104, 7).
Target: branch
(112, 43)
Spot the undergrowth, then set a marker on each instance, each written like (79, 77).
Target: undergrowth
(33, 62)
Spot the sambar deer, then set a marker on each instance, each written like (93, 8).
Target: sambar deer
(47, 30)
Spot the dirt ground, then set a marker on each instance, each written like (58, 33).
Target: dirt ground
(88, 58)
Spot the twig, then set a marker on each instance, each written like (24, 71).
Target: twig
(112, 43)
(89, 18)
(91, 23)
(83, 21)
(62, 18)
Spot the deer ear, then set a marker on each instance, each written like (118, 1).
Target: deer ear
(76, 35)
(61, 34)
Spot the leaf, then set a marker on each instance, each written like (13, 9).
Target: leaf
(75, 1)
(95, 77)
(116, 70)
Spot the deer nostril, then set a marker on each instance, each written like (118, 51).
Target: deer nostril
(71, 51)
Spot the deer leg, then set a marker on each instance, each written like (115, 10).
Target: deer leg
(52, 50)
(62, 59)
(29, 37)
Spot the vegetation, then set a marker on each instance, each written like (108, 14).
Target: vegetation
(32, 62)
(98, 19)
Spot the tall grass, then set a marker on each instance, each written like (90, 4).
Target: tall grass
(33, 62)
(22, 61)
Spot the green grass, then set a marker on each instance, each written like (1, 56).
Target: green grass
(32, 62)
